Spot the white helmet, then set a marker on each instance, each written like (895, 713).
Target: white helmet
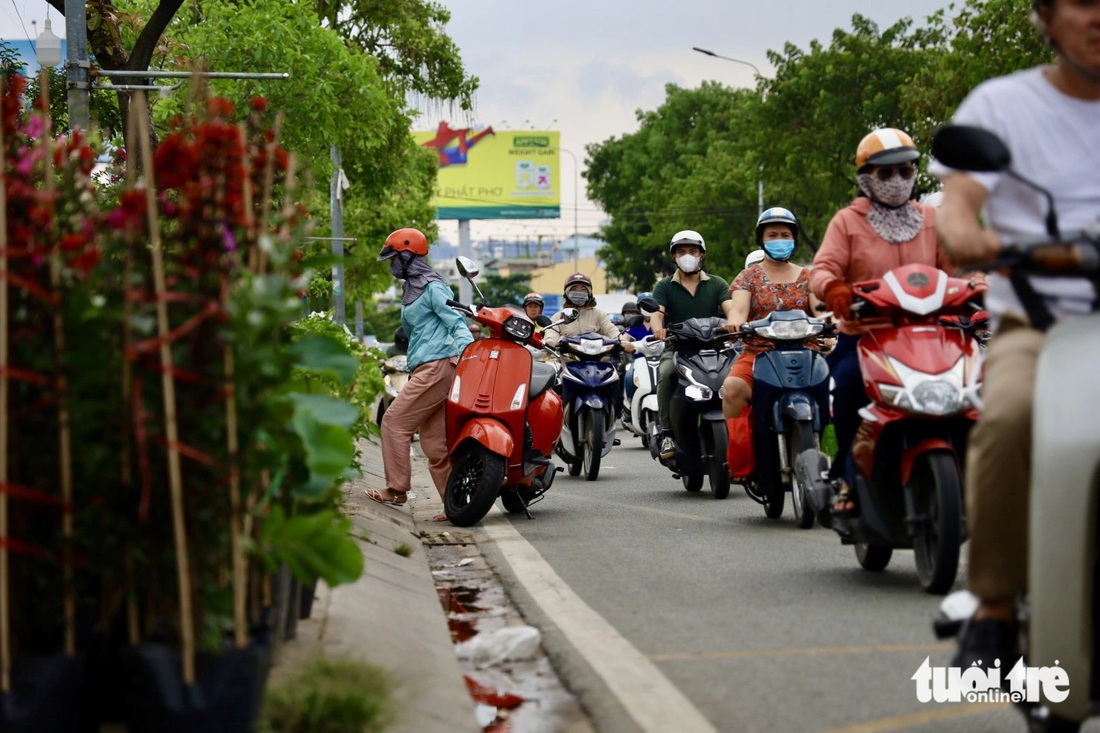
(757, 255)
(687, 236)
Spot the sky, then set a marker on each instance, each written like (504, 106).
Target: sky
(585, 67)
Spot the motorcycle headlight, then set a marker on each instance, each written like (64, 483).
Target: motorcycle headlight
(698, 392)
(938, 397)
(594, 347)
(790, 330)
(518, 328)
(931, 394)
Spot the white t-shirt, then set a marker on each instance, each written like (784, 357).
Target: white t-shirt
(1055, 142)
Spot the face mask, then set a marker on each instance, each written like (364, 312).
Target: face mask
(398, 267)
(577, 297)
(688, 263)
(779, 249)
(894, 191)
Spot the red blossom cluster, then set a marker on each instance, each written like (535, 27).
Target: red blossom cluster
(210, 171)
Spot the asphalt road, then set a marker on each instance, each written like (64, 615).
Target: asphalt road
(759, 625)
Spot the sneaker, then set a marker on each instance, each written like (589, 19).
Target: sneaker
(668, 447)
(985, 641)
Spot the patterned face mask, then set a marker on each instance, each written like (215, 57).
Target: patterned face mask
(891, 216)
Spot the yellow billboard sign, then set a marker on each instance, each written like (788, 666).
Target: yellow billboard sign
(495, 174)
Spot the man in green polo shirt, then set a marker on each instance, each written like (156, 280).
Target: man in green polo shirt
(688, 293)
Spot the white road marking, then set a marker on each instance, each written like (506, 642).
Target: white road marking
(650, 699)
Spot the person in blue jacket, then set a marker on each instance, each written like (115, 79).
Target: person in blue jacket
(437, 336)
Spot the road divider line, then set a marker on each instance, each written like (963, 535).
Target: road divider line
(924, 717)
(810, 652)
(654, 703)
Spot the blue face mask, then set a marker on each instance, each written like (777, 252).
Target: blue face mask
(779, 249)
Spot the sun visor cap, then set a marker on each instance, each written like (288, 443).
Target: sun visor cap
(386, 253)
(892, 157)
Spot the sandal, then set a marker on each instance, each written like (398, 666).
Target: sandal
(400, 498)
(844, 505)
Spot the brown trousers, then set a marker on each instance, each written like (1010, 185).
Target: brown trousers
(998, 464)
(419, 407)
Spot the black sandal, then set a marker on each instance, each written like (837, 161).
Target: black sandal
(844, 496)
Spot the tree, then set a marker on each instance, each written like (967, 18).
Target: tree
(505, 289)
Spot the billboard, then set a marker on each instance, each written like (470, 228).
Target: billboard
(495, 174)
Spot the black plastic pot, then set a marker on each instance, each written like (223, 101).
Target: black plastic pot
(225, 698)
(45, 695)
(309, 594)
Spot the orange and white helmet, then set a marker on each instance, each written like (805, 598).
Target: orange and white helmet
(404, 240)
(885, 146)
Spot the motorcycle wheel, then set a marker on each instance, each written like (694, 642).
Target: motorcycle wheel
(873, 557)
(692, 481)
(593, 444)
(801, 438)
(575, 467)
(719, 469)
(938, 495)
(510, 498)
(774, 498)
(473, 485)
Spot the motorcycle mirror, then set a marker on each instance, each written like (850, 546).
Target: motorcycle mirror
(974, 149)
(567, 315)
(467, 267)
(648, 306)
(970, 149)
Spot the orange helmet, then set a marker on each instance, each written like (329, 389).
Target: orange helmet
(885, 146)
(404, 240)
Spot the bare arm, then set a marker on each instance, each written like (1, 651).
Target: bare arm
(740, 300)
(957, 222)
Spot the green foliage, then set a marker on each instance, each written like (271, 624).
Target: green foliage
(695, 161)
(330, 696)
(505, 289)
(404, 549)
(408, 39)
(312, 545)
(382, 322)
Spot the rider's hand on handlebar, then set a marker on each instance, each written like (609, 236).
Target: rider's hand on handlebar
(838, 298)
(982, 247)
(659, 333)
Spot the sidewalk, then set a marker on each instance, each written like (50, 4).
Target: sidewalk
(392, 616)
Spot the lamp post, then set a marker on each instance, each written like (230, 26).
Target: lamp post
(763, 97)
(576, 188)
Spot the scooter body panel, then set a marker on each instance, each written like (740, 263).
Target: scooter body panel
(492, 382)
(1065, 481)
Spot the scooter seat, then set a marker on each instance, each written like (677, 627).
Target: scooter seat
(542, 376)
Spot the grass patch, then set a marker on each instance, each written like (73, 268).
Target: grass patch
(404, 549)
(330, 696)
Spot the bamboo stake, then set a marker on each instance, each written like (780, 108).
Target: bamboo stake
(240, 628)
(62, 386)
(133, 624)
(5, 571)
(168, 384)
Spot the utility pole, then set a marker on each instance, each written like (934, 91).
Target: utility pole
(337, 203)
(76, 63)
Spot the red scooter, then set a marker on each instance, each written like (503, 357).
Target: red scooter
(503, 417)
(922, 378)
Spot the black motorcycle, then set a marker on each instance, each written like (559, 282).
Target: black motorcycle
(703, 356)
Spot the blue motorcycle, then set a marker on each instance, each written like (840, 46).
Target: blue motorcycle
(591, 395)
(790, 408)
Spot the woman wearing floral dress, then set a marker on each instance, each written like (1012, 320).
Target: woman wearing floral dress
(773, 284)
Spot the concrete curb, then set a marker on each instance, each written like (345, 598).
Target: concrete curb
(392, 617)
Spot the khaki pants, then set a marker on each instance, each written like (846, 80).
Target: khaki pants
(419, 407)
(998, 464)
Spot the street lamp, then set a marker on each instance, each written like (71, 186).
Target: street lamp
(763, 98)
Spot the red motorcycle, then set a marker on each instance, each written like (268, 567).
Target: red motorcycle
(922, 377)
(503, 417)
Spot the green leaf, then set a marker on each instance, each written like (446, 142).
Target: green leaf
(329, 448)
(325, 355)
(312, 546)
(326, 409)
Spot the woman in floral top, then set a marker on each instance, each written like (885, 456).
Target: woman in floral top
(774, 284)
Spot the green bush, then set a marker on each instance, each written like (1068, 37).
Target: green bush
(330, 696)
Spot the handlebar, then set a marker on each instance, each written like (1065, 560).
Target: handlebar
(1074, 253)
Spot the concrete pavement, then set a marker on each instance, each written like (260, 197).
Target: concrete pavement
(392, 616)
